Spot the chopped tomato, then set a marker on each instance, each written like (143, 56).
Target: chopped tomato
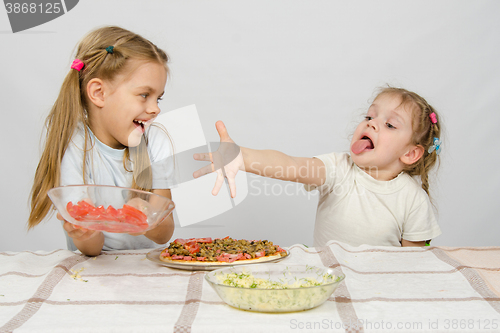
(96, 213)
(192, 247)
(109, 214)
(133, 215)
(279, 249)
(85, 206)
(72, 210)
(203, 240)
(126, 219)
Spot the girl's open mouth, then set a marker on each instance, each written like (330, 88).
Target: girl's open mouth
(365, 143)
(141, 124)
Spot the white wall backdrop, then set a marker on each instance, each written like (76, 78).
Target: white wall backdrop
(288, 75)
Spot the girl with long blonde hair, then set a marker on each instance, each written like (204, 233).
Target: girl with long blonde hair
(106, 105)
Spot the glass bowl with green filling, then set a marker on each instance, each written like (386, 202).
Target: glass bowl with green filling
(274, 287)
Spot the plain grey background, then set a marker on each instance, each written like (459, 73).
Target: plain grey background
(291, 75)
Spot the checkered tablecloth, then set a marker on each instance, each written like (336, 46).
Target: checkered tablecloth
(432, 289)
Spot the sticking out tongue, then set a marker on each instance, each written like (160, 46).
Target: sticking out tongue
(360, 145)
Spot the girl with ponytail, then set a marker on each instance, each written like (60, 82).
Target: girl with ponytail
(99, 132)
(376, 194)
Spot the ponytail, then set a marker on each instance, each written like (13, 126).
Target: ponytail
(66, 113)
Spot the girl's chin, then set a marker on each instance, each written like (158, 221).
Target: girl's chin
(134, 138)
(360, 161)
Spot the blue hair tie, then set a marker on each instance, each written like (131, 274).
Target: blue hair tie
(109, 49)
(436, 145)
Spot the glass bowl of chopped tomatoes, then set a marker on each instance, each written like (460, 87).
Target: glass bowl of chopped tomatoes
(110, 208)
(275, 287)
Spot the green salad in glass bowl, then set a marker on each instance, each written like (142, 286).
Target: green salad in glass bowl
(274, 287)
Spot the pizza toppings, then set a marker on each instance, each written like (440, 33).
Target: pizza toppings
(219, 249)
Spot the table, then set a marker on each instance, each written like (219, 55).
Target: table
(433, 289)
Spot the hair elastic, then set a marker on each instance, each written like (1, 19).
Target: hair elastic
(436, 145)
(77, 64)
(433, 118)
(109, 49)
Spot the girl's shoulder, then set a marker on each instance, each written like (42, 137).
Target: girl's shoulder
(160, 145)
(338, 169)
(77, 140)
(411, 189)
(337, 160)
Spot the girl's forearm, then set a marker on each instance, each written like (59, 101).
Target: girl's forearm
(163, 232)
(267, 163)
(278, 165)
(91, 247)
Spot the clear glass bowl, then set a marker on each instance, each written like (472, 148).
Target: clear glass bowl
(110, 208)
(253, 295)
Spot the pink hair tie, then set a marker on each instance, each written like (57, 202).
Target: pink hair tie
(77, 64)
(433, 118)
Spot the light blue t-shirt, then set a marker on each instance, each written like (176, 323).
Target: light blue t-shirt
(104, 166)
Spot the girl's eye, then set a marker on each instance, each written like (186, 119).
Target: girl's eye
(389, 125)
(368, 118)
(145, 95)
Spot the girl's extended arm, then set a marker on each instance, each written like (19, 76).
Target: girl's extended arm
(278, 165)
(266, 163)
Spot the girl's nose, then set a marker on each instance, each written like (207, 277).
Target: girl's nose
(153, 109)
(371, 123)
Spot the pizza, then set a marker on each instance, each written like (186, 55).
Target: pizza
(220, 251)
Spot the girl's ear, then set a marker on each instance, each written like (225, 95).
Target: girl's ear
(95, 92)
(413, 155)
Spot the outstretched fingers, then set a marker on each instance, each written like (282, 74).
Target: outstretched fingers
(223, 134)
(209, 168)
(232, 186)
(206, 157)
(227, 157)
(218, 183)
(203, 157)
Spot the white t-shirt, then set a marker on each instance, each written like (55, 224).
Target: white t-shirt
(357, 209)
(104, 166)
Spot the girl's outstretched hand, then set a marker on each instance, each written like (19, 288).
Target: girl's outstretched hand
(226, 161)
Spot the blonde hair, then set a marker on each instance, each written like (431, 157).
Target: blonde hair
(424, 131)
(69, 109)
